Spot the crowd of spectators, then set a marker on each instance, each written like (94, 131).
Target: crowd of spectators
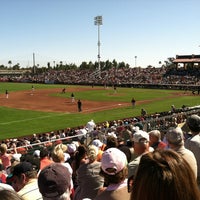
(101, 163)
(112, 76)
(109, 160)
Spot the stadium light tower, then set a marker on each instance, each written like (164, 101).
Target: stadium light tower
(98, 22)
(34, 66)
(135, 61)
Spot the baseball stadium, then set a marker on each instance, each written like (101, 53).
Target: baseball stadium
(100, 100)
(78, 124)
(36, 102)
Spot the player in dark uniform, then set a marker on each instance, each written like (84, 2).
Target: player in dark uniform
(63, 90)
(72, 97)
(79, 104)
(7, 93)
(115, 89)
(133, 102)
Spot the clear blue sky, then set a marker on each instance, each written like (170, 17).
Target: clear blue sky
(64, 30)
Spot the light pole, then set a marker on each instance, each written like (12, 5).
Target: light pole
(34, 66)
(98, 22)
(135, 61)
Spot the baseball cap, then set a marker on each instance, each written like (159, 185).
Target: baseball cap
(112, 134)
(138, 124)
(97, 143)
(71, 148)
(21, 168)
(113, 161)
(137, 136)
(16, 157)
(193, 123)
(175, 135)
(54, 180)
(36, 153)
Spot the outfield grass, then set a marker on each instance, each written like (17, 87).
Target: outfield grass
(17, 123)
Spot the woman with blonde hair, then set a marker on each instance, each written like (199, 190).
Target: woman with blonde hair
(164, 174)
(4, 156)
(58, 156)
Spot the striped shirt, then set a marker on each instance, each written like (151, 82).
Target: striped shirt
(31, 191)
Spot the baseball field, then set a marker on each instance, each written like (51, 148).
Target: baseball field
(46, 108)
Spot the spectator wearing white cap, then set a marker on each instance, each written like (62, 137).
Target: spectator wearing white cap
(114, 171)
(16, 157)
(71, 149)
(175, 141)
(82, 132)
(141, 146)
(193, 143)
(90, 125)
(36, 153)
(99, 145)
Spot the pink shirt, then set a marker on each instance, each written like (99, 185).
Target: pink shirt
(5, 160)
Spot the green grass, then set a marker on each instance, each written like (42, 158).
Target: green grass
(18, 123)
(22, 86)
(123, 94)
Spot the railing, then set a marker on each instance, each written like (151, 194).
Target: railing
(151, 123)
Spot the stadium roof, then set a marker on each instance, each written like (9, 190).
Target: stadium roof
(187, 59)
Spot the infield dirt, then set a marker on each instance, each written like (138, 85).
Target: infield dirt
(42, 100)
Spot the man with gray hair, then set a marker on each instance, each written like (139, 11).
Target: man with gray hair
(155, 140)
(175, 139)
(193, 143)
